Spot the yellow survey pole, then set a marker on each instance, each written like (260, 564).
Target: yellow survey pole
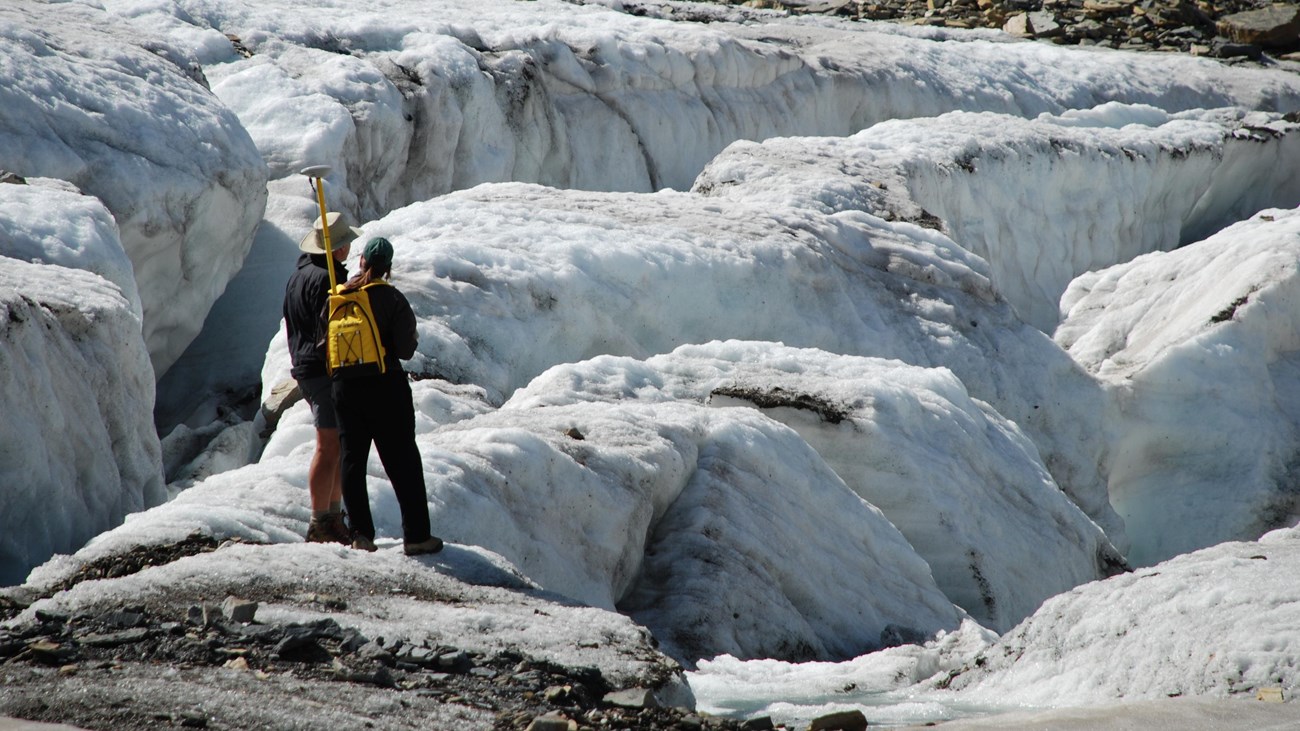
(317, 173)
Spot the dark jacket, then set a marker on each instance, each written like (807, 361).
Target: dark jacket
(304, 301)
(396, 323)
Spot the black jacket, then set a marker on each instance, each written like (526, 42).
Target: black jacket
(396, 323)
(304, 301)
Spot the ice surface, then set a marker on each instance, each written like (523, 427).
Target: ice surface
(85, 99)
(451, 128)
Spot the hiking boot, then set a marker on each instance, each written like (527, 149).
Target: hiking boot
(329, 529)
(361, 543)
(342, 531)
(432, 545)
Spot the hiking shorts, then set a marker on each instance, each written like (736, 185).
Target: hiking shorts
(318, 392)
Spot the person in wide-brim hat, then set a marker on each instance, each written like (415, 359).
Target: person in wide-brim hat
(341, 234)
(305, 296)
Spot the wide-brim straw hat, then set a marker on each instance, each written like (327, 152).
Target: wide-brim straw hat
(340, 234)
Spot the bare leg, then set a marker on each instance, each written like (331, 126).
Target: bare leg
(336, 490)
(324, 479)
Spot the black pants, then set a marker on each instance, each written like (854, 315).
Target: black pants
(378, 410)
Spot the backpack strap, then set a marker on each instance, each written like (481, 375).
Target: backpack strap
(338, 289)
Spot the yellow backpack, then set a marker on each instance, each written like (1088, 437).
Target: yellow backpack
(352, 343)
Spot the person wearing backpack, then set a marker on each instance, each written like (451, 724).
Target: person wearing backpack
(374, 402)
(305, 295)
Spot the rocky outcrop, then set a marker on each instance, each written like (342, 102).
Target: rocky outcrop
(226, 642)
(1276, 27)
(1222, 28)
(175, 655)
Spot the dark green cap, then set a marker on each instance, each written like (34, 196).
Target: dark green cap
(378, 253)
